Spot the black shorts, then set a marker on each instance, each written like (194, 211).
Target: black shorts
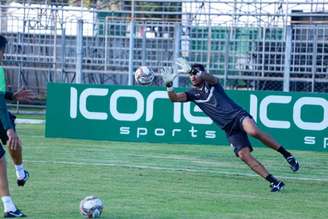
(236, 135)
(3, 133)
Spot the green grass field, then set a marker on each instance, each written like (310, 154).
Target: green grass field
(163, 180)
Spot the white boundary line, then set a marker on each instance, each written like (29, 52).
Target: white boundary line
(30, 121)
(168, 169)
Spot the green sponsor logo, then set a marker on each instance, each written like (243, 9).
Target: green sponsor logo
(303, 114)
(143, 110)
(297, 120)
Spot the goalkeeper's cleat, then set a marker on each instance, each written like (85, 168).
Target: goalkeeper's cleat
(277, 186)
(294, 165)
(21, 182)
(12, 214)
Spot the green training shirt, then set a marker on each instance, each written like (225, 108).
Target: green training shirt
(3, 85)
(4, 115)
(2, 80)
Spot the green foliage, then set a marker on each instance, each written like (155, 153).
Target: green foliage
(163, 180)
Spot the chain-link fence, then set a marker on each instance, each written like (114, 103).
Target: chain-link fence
(291, 57)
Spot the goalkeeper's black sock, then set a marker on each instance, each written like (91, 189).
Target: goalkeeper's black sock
(271, 179)
(284, 152)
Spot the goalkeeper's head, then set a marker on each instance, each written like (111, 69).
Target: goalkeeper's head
(196, 68)
(195, 74)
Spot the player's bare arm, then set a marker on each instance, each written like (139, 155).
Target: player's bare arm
(13, 140)
(209, 78)
(23, 95)
(177, 97)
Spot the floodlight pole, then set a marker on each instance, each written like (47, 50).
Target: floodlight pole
(288, 50)
(62, 57)
(79, 43)
(131, 45)
(314, 56)
(288, 43)
(209, 37)
(0, 17)
(177, 39)
(226, 60)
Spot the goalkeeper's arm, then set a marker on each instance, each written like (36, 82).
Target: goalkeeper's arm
(209, 78)
(177, 97)
(173, 96)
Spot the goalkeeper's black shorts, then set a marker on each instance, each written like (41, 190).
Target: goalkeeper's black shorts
(236, 135)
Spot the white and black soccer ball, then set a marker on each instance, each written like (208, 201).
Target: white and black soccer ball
(91, 207)
(144, 76)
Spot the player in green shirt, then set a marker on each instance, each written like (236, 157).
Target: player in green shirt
(21, 95)
(8, 135)
(16, 154)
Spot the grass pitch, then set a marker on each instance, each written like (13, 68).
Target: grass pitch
(163, 180)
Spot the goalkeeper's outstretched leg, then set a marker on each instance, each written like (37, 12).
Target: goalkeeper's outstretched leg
(251, 128)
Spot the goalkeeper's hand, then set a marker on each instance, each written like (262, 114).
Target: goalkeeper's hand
(182, 66)
(168, 76)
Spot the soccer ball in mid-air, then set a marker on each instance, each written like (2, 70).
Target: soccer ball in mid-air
(144, 76)
(91, 207)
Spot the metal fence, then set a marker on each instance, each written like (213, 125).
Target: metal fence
(107, 49)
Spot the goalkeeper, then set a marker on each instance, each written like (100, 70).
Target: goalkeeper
(208, 95)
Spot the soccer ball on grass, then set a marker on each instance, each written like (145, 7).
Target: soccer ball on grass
(144, 76)
(91, 207)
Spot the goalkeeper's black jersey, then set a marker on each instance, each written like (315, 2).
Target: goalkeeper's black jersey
(215, 103)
